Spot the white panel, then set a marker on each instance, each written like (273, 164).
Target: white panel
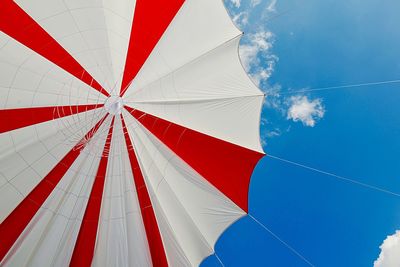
(121, 239)
(49, 238)
(212, 95)
(235, 120)
(79, 27)
(119, 17)
(29, 153)
(191, 212)
(198, 27)
(217, 74)
(29, 80)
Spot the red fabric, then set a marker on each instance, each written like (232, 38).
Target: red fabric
(156, 247)
(22, 117)
(85, 243)
(225, 165)
(16, 23)
(150, 21)
(18, 219)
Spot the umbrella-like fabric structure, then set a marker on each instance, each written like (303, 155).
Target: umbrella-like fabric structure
(129, 131)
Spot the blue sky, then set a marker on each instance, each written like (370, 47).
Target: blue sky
(354, 132)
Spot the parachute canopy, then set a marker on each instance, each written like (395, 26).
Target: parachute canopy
(129, 131)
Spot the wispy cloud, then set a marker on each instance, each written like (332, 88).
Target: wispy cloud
(236, 3)
(241, 19)
(260, 41)
(256, 55)
(269, 133)
(262, 74)
(390, 252)
(273, 133)
(256, 44)
(305, 110)
(274, 100)
(255, 2)
(272, 6)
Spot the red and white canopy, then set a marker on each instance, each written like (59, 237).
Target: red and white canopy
(129, 131)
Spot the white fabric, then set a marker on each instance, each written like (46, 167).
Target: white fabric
(29, 153)
(191, 213)
(119, 17)
(121, 238)
(50, 237)
(95, 32)
(29, 80)
(80, 27)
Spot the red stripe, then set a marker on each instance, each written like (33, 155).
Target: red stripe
(150, 21)
(16, 23)
(16, 222)
(149, 219)
(225, 165)
(22, 117)
(85, 243)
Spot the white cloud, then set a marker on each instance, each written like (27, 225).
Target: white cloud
(236, 3)
(273, 99)
(304, 110)
(272, 6)
(262, 74)
(256, 55)
(273, 133)
(248, 53)
(262, 39)
(390, 252)
(255, 43)
(255, 2)
(255, 49)
(241, 19)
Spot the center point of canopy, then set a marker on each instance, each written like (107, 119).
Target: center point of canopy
(114, 105)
